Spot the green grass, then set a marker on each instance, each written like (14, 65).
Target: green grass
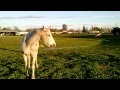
(76, 56)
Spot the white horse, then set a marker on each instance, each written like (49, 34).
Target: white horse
(30, 46)
(98, 35)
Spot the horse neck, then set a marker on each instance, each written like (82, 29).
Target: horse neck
(31, 38)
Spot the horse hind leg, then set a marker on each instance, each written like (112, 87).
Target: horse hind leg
(36, 64)
(26, 64)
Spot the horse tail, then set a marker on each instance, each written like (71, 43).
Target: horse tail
(23, 43)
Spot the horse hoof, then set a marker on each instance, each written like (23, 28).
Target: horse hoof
(28, 77)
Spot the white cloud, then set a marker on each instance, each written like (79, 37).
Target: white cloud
(23, 17)
(7, 18)
(68, 17)
(32, 17)
(101, 16)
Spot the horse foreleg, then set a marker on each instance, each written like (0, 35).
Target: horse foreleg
(33, 66)
(29, 59)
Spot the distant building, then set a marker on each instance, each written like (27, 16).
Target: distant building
(8, 32)
(11, 32)
(21, 33)
(94, 31)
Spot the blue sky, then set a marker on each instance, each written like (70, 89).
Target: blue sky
(55, 19)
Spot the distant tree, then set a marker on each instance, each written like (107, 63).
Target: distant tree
(16, 28)
(9, 28)
(96, 28)
(54, 30)
(64, 27)
(60, 30)
(92, 28)
(29, 30)
(4, 28)
(71, 30)
(116, 31)
(84, 30)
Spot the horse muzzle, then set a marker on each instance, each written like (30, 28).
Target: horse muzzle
(53, 45)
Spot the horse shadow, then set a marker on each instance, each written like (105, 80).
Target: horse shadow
(111, 41)
(11, 50)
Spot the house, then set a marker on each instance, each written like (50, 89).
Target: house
(94, 31)
(11, 32)
(21, 33)
(8, 32)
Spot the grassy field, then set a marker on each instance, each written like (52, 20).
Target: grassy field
(77, 56)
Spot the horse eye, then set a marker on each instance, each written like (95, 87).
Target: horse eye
(48, 35)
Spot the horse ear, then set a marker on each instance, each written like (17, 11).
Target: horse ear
(42, 26)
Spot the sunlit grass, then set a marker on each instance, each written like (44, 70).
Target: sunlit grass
(76, 56)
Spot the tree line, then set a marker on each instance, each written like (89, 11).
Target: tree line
(9, 28)
(114, 30)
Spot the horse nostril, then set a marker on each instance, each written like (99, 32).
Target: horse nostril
(51, 45)
(54, 45)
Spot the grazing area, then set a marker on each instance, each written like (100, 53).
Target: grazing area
(76, 56)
